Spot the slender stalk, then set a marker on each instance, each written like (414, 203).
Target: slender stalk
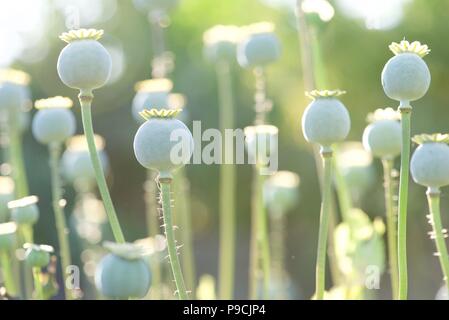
(324, 224)
(86, 101)
(171, 242)
(16, 158)
(343, 194)
(153, 229)
(184, 220)
(227, 187)
(405, 110)
(391, 225)
(8, 277)
(277, 239)
(433, 197)
(262, 236)
(39, 290)
(60, 219)
(254, 248)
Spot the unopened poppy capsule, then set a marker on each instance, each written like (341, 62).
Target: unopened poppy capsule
(37, 255)
(24, 211)
(220, 43)
(14, 92)
(151, 94)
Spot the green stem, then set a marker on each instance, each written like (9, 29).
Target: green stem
(405, 110)
(171, 242)
(16, 158)
(8, 276)
(153, 229)
(343, 194)
(254, 248)
(277, 239)
(60, 219)
(184, 216)
(227, 187)
(324, 224)
(86, 101)
(433, 198)
(262, 236)
(39, 290)
(391, 225)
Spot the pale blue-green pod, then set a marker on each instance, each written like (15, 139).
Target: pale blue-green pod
(326, 121)
(148, 100)
(259, 50)
(152, 5)
(12, 96)
(7, 236)
(220, 43)
(37, 256)
(429, 165)
(24, 211)
(281, 192)
(123, 273)
(53, 125)
(383, 138)
(6, 195)
(84, 63)
(406, 77)
(220, 51)
(163, 144)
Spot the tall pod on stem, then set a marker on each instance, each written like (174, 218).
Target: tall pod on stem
(382, 137)
(84, 64)
(430, 167)
(220, 48)
(52, 125)
(37, 257)
(325, 121)
(165, 144)
(405, 78)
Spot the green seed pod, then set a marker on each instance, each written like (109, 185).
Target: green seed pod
(54, 122)
(76, 164)
(37, 256)
(24, 211)
(429, 165)
(163, 143)
(151, 94)
(84, 63)
(123, 273)
(259, 47)
(155, 5)
(281, 192)
(6, 195)
(406, 76)
(383, 136)
(325, 120)
(261, 143)
(14, 92)
(7, 236)
(220, 43)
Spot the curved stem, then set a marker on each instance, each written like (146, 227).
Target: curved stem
(153, 228)
(391, 225)
(227, 187)
(8, 277)
(405, 110)
(39, 290)
(171, 242)
(438, 233)
(85, 101)
(61, 224)
(324, 226)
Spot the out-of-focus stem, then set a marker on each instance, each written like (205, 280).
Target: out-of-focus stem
(278, 248)
(16, 157)
(8, 276)
(39, 290)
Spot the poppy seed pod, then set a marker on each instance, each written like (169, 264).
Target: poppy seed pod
(325, 120)
(54, 122)
(7, 236)
(14, 93)
(429, 165)
(163, 143)
(406, 76)
(84, 63)
(259, 45)
(6, 195)
(123, 273)
(261, 143)
(24, 211)
(151, 94)
(281, 192)
(37, 256)
(383, 137)
(220, 43)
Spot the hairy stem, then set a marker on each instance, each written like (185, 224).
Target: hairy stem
(227, 187)
(391, 225)
(60, 219)
(438, 233)
(405, 110)
(171, 242)
(85, 101)
(324, 225)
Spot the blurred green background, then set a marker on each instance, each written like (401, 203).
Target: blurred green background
(355, 49)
